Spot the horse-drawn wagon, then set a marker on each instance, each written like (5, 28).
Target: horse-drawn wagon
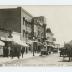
(66, 51)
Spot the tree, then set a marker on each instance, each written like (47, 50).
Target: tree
(67, 45)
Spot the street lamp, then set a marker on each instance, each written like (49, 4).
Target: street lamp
(33, 45)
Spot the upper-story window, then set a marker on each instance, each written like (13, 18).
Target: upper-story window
(23, 33)
(23, 20)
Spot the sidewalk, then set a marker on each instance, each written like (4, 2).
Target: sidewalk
(9, 59)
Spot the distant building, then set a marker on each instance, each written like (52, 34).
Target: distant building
(39, 27)
(49, 37)
(57, 45)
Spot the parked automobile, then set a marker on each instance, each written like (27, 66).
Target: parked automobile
(55, 50)
(44, 51)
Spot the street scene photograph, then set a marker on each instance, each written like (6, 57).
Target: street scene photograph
(36, 35)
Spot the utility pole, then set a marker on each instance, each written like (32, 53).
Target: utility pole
(33, 45)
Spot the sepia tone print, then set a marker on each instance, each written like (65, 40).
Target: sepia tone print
(35, 35)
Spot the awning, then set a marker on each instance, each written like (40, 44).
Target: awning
(9, 39)
(50, 45)
(2, 43)
(39, 43)
(6, 39)
(24, 44)
(48, 41)
(34, 41)
(29, 41)
(21, 43)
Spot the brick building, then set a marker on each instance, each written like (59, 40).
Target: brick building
(16, 20)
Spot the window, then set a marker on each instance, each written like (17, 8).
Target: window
(28, 24)
(23, 20)
(29, 35)
(23, 33)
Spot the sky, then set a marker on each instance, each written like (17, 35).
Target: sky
(58, 18)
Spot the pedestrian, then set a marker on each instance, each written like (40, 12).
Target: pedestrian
(39, 46)
(9, 48)
(6, 51)
(29, 47)
(12, 52)
(26, 50)
(18, 51)
(22, 51)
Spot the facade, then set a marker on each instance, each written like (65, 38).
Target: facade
(16, 20)
(19, 22)
(9, 19)
(50, 37)
(39, 28)
(26, 26)
(57, 46)
(21, 26)
(4, 33)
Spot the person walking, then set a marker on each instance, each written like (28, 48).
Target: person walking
(12, 52)
(6, 51)
(22, 51)
(18, 51)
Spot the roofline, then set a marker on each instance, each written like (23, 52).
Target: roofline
(7, 8)
(26, 12)
(16, 8)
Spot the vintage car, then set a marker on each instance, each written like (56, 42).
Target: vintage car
(55, 50)
(44, 51)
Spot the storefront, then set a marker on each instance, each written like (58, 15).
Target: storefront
(2, 44)
(12, 44)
